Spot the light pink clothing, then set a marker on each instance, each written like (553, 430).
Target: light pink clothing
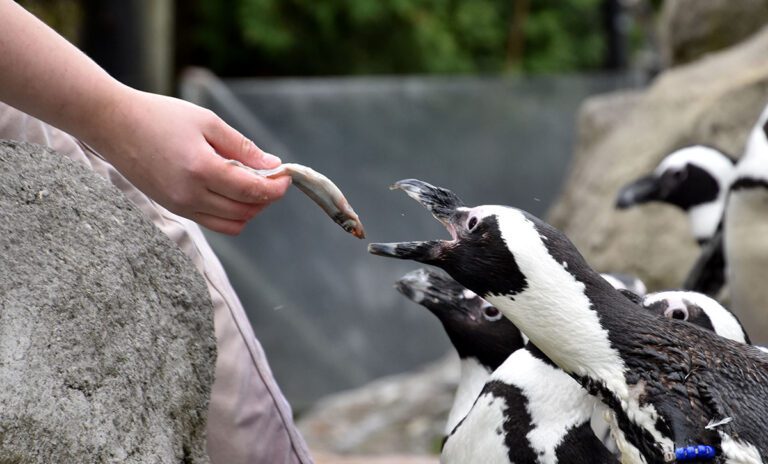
(249, 421)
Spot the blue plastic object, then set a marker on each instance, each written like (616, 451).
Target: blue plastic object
(689, 453)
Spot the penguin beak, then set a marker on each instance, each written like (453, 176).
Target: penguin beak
(437, 292)
(423, 252)
(442, 203)
(643, 190)
(444, 206)
(428, 286)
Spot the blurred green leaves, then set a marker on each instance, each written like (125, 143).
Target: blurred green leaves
(339, 37)
(332, 37)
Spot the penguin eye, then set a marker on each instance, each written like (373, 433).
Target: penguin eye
(680, 175)
(492, 314)
(680, 314)
(472, 223)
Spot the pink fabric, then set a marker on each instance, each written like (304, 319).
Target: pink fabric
(249, 420)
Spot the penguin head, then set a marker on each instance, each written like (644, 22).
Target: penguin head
(526, 268)
(477, 251)
(698, 309)
(686, 178)
(494, 250)
(476, 328)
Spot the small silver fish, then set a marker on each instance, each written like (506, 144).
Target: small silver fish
(320, 189)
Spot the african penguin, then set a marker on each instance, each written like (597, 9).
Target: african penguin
(528, 407)
(668, 384)
(529, 411)
(698, 309)
(696, 179)
(482, 337)
(746, 234)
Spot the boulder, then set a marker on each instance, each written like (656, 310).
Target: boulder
(689, 29)
(107, 348)
(713, 101)
(404, 413)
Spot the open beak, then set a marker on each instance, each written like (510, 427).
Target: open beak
(643, 190)
(444, 206)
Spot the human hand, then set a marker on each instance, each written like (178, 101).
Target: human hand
(176, 152)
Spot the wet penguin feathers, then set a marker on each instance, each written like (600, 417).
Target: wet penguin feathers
(664, 381)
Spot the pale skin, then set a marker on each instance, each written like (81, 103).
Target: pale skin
(172, 150)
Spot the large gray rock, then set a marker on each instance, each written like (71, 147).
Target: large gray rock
(689, 29)
(405, 413)
(713, 101)
(106, 331)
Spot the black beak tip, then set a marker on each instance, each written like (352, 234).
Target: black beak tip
(625, 199)
(382, 249)
(403, 288)
(642, 190)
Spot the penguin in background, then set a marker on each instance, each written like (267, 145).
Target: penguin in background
(746, 233)
(696, 179)
(670, 387)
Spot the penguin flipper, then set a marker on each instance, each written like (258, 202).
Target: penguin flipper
(708, 272)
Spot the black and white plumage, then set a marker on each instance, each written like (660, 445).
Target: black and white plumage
(529, 410)
(483, 338)
(746, 232)
(700, 310)
(667, 384)
(697, 180)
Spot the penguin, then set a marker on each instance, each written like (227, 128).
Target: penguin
(482, 337)
(671, 388)
(526, 408)
(700, 310)
(746, 231)
(529, 411)
(696, 179)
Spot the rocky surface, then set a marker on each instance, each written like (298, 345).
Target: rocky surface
(403, 413)
(107, 349)
(689, 29)
(713, 101)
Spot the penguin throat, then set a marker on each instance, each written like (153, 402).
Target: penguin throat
(472, 378)
(704, 219)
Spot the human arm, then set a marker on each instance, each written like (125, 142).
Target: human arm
(166, 147)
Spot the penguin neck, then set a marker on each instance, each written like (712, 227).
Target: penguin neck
(705, 219)
(586, 328)
(555, 403)
(472, 377)
(564, 324)
(752, 168)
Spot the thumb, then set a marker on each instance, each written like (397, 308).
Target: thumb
(231, 144)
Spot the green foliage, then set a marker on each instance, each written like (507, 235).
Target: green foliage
(325, 37)
(65, 16)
